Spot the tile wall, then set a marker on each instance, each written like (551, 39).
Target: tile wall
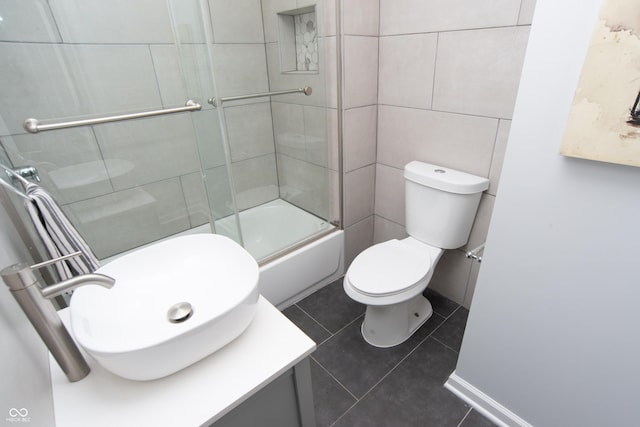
(306, 29)
(360, 118)
(443, 92)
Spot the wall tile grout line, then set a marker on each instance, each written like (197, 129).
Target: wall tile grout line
(454, 30)
(435, 110)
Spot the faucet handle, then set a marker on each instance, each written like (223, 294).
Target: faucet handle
(72, 283)
(19, 277)
(53, 261)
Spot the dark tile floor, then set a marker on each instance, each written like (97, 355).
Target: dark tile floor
(356, 384)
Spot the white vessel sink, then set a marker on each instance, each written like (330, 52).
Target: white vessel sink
(127, 329)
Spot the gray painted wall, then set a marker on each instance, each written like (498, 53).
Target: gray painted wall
(553, 329)
(25, 360)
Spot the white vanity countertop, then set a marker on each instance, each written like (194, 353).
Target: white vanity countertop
(198, 395)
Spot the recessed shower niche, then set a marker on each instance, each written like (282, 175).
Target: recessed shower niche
(298, 40)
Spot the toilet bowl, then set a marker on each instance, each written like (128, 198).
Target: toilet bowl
(390, 277)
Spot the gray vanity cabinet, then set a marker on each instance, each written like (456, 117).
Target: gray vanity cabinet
(285, 402)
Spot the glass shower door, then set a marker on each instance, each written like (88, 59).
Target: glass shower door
(276, 146)
(192, 32)
(123, 184)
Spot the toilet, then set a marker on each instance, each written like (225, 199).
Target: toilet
(389, 277)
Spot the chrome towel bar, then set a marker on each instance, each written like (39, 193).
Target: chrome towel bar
(216, 102)
(34, 125)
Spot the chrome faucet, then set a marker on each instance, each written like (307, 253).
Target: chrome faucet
(33, 300)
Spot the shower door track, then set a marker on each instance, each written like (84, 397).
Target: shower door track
(296, 246)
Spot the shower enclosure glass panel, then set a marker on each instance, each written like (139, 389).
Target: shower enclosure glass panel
(123, 184)
(192, 32)
(239, 169)
(278, 145)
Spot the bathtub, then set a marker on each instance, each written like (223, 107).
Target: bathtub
(309, 265)
(288, 277)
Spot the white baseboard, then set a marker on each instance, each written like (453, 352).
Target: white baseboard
(483, 403)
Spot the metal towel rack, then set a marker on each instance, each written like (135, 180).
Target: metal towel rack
(11, 175)
(217, 102)
(34, 125)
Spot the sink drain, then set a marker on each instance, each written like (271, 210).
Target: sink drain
(179, 312)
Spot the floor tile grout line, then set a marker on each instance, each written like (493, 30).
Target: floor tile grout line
(399, 362)
(447, 346)
(347, 325)
(335, 379)
(453, 312)
(339, 330)
(379, 381)
(390, 372)
(450, 314)
(430, 335)
(314, 319)
(344, 413)
(445, 319)
(396, 365)
(465, 417)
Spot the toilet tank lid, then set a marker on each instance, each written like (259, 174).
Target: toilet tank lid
(444, 179)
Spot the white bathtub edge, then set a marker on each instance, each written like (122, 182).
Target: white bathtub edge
(296, 275)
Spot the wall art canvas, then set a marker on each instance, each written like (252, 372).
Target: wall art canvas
(604, 123)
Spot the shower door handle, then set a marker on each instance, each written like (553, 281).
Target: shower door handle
(217, 102)
(34, 125)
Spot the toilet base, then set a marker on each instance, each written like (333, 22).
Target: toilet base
(390, 325)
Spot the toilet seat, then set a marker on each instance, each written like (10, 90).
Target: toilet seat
(391, 267)
(389, 278)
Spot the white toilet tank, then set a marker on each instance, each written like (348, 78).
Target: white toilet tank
(441, 204)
